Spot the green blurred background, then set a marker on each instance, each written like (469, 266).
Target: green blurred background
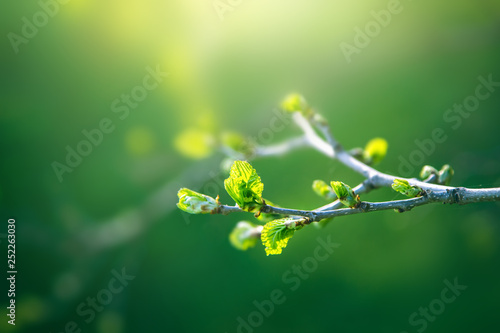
(116, 209)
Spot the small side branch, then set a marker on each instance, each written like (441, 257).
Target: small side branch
(281, 148)
(376, 178)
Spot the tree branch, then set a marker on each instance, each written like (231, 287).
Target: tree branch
(426, 190)
(281, 148)
(459, 195)
(432, 193)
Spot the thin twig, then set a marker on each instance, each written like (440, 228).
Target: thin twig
(281, 148)
(375, 177)
(459, 195)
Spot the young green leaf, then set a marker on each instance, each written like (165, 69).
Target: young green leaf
(445, 174)
(402, 186)
(196, 203)
(244, 186)
(375, 151)
(243, 235)
(323, 190)
(276, 234)
(294, 102)
(323, 223)
(297, 103)
(345, 194)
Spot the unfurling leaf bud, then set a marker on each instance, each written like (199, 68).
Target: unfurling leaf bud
(402, 186)
(445, 174)
(323, 190)
(244, 186)
(375, 151)
(345, 194)
(296, 103)
(244, 235)
(322, 224)
(195, 203)
(427, 171)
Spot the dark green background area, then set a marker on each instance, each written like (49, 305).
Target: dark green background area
(116, 210)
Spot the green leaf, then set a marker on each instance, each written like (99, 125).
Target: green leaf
(445, 174)
(375, 150)
(244, 186)
(323, 190)
(293, 103)
(243, 236)
(296, 103)
(196, 203)
(345, 194)
(403, 186)
(427, 171)
(276, 234)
